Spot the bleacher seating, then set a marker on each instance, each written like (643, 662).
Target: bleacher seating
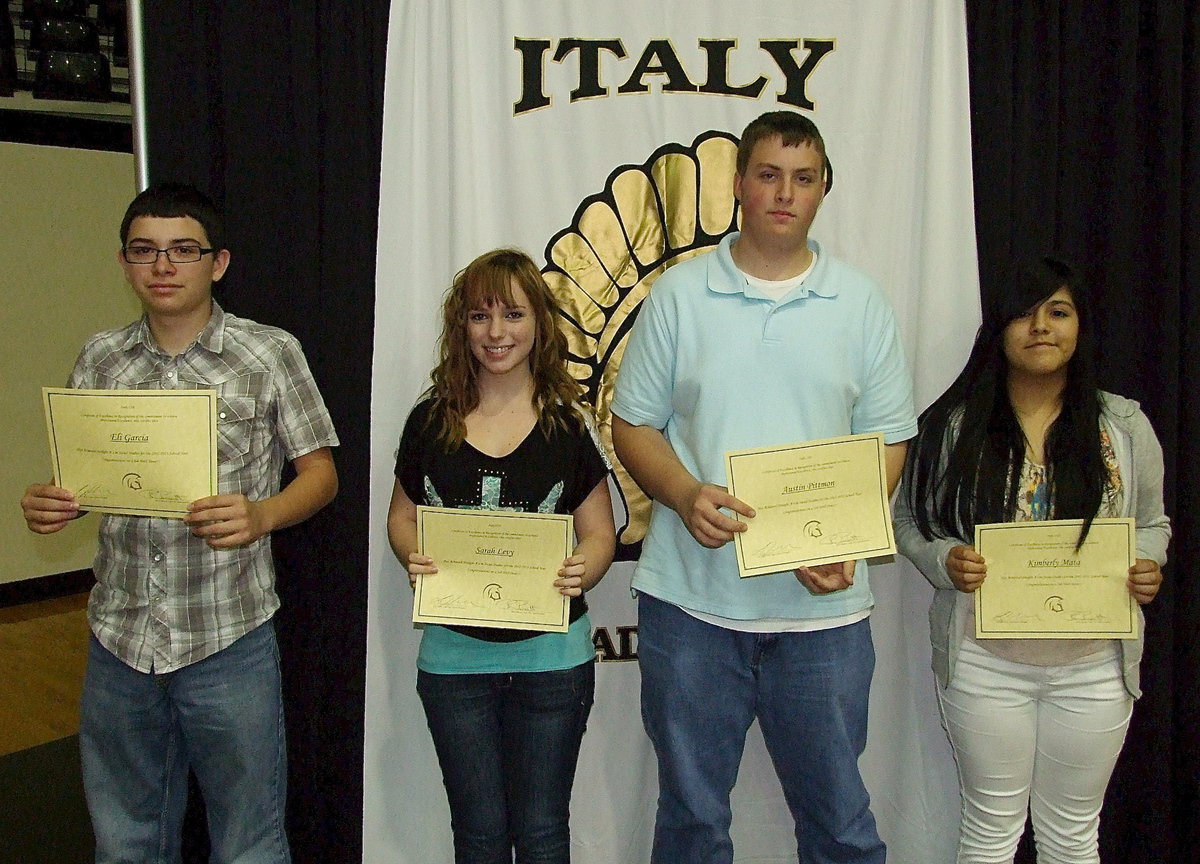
(64, 49)
(8, 54)
(72, 75)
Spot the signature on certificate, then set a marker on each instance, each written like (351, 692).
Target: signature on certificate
(1089, 617)
(494, 592)
(1013, 617)
(824, 537)
(455, 601)
(165, 496)
(775, 548)
(93, 490)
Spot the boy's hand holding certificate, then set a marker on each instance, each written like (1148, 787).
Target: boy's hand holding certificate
(1039, 587)
(496, 568)
(816, 503)
(136, 452)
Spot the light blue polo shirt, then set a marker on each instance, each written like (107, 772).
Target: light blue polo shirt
(718, 366)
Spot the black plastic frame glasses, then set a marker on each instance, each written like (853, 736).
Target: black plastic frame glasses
(183, 253)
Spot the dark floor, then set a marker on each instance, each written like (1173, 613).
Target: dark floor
(43, 819)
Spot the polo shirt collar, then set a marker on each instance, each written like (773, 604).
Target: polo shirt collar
(733, 281)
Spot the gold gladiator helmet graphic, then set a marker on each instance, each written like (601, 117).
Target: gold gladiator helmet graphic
(649, 217)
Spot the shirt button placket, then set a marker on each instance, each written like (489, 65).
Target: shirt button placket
(160, 628)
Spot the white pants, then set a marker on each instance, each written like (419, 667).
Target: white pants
(1037, 738)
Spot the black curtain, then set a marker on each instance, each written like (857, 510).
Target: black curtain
(1084, 128)
(276, 109)
(1084, 122)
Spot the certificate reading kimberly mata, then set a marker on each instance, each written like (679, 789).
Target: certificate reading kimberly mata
(816, 502)
(1039, 586)
(496, 568)
(135, 452)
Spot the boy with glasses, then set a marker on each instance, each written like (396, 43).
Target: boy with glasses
(183, 666)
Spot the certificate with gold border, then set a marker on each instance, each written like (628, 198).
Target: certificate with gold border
(496, 568)
(815, 503)
(134, 452)
(1039, 587)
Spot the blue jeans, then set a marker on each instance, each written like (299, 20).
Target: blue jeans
(140, 732)
(508, 744)
(703, 685)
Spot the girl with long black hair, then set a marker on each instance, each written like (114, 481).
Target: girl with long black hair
(1024, 433)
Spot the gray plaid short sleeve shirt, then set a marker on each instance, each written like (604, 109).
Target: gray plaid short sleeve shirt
(164, 599)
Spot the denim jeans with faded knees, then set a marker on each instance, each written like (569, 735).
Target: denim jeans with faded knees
(702, 686)
(508, 744)
(140, 732)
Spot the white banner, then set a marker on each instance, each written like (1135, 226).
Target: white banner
(599, 137)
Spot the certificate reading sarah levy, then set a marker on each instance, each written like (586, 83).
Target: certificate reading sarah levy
(816, 502)
(496, 568)
(135, 452)
(1039, 587)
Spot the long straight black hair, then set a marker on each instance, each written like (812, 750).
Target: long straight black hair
(977, 481)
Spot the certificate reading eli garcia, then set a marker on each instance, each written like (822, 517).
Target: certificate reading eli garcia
(496, 568)
(1039, 587)
(135, 452)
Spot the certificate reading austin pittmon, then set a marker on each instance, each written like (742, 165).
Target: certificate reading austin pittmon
(1039, 587)
(136, 452)
(496, 568)
(816, 503)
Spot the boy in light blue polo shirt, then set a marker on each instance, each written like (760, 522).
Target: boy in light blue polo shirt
(766, 340)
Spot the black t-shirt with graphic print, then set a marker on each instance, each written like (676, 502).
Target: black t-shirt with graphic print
(544, 474)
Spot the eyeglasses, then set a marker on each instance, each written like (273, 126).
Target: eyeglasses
(184, 253)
